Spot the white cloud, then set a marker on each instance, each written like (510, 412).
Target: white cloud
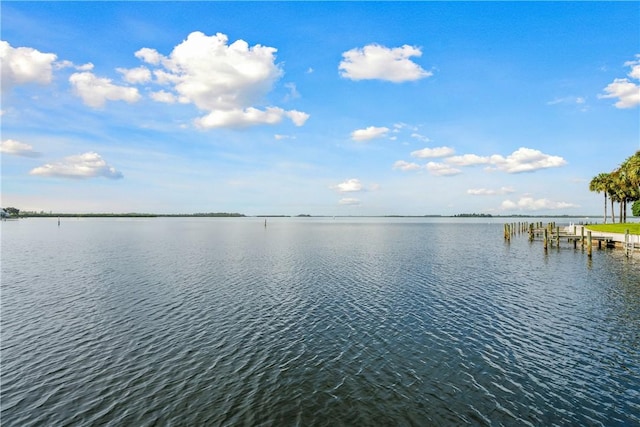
(150, 56)
(627, 91)
(526, 160)
(163, 96)
(441, 169)
(420, 137)
(348, 186)
(297, 117)
(401, 125)
(95, 91)
(349, 201)
(568, 100)
(521, 160)
(489, 192)
(635, 68)
(226, 80)
(293, 91)
(382, 63)
(87, 165)
(17, 148)
(528, 203)
(217, 76)
(467, 160)
(23, 65)
(135, 75)
(249, 117)
(280, 137)
(84, 67)
(427, 153)
(371, 132)
(406, 166)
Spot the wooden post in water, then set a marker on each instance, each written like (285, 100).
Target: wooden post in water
(582, 237)
(558, 236)
(531, 232)
(589, 246)
(546, 237)
(626, 243)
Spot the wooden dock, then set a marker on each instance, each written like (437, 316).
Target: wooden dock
(553, 235)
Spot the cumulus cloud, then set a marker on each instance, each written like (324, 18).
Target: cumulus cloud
(249, 117)
(528, 203)
(625, 90)
(349, 201)
(426, 153)
(371, 132)
(17, 148)
(441, 169)
(381, 63)
(82, 166)
(298, 118)
(23, 65)
(406, 166)
(521, 160)
(135, 75)
(96, 91)
(526, 160)
(150, 56)
(489, 192)
(348, 186)
(226, 80)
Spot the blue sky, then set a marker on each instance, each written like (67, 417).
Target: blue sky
(342, 108)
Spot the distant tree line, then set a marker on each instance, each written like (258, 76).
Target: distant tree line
(473, 215)
(14, 212)
(622, 186)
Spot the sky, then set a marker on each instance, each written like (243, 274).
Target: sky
(320, 108)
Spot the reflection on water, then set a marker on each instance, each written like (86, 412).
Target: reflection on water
(312, 322)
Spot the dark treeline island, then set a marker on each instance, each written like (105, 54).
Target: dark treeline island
(13, 212)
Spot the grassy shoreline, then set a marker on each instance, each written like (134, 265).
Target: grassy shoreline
(634, 228)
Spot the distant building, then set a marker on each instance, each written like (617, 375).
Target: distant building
(4, 214)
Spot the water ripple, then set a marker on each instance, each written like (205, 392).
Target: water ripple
(316, 322)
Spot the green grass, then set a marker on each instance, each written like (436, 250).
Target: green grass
(616, 228)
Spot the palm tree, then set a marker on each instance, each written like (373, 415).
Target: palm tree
(629, 182)
(631, 168)
(600, 184)
(621, 185)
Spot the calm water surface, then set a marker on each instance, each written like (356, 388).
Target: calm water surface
(312, 322)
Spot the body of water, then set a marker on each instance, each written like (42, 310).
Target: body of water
(312, 322)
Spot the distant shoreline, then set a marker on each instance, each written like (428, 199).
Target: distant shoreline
(238, 215)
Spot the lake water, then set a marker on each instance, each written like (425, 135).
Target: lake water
(312, 322)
